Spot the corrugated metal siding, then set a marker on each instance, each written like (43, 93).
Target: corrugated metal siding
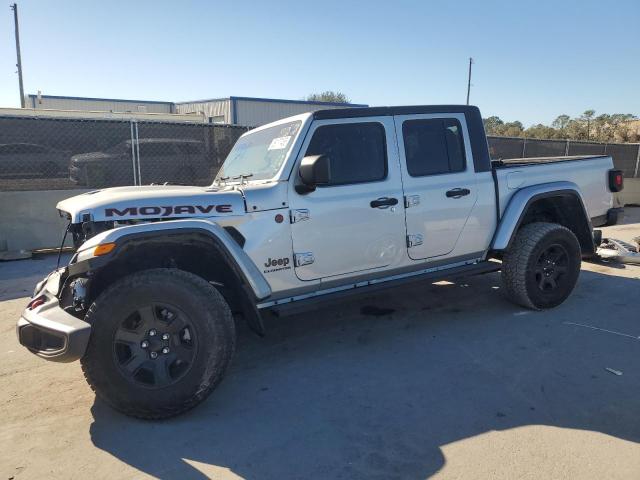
(253, 113)
(153, 117)
(212, 108)
(98, 105)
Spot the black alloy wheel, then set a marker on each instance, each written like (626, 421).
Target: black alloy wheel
(551, 267)
(155, 345)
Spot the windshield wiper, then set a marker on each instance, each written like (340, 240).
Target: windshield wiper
(220, 180)
(242, 177)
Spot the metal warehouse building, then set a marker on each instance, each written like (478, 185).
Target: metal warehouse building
(252, 112)
(245, 111)
(54, 102)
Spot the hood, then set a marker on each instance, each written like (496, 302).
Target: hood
(154, 201)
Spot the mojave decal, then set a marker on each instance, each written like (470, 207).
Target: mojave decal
(165, 211)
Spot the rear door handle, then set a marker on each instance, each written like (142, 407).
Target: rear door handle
(458, 192)
(383, 202)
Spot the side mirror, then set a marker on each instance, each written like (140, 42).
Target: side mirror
(314, 170)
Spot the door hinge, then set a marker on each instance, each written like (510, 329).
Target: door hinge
(299, 215)
(414, 240)
(411, 201)
(301, 259)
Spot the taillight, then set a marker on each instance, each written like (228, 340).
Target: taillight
(616, 180)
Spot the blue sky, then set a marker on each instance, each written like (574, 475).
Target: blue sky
(533, 60)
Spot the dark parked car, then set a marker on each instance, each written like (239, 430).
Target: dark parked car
(19, 160)
(161, 160)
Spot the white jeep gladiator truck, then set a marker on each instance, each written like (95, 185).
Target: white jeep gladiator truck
(305, 209)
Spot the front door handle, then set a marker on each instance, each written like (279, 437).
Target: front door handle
(458, 192)
(383, 202)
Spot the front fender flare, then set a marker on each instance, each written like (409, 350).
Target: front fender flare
(237, 257)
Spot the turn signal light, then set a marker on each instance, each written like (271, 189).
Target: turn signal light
(36, 302)
(616, 180)
(103, 249)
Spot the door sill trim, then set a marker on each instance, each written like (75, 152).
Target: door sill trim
(473, 266)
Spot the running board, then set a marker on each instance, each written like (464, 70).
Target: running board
(303, 301)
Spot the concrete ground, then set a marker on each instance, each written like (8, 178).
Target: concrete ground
(447, 380)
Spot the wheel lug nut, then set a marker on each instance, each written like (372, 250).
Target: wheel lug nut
(154, 354)
(144, 344)
(165, 336)
(165, 350)
(152, 332)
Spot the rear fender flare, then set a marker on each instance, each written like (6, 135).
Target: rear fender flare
(523, 199)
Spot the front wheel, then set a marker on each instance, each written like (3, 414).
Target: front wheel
(161, 341)
(541, 267)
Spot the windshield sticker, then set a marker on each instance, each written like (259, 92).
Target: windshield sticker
(279, 143)
(289, 129)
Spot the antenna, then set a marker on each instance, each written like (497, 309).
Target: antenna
(469, 80)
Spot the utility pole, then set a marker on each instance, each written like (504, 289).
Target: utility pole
(14, 7)
(469, 80)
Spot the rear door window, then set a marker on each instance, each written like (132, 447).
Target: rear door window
(433, 146)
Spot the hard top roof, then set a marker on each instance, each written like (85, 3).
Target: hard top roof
(398, 110)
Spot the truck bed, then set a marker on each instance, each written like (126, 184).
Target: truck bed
(519, 162)
(588, 172)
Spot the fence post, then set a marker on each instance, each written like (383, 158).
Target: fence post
(133, 152)
(635, 174)
(138, 154)
(524, 147)
(566, 148)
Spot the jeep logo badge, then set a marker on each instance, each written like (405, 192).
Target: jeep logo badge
(277, 262)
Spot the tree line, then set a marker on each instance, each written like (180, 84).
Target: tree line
(617, 127)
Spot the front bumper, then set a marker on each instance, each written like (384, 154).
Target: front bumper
(50, 332)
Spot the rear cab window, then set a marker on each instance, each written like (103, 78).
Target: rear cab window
(357, 152)
(433, 146)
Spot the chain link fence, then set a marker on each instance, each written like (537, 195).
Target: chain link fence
(56, 153)
(39, 153)
(626, 156)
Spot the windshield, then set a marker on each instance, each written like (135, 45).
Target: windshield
(259, 155)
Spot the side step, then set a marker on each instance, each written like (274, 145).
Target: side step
(292, 305)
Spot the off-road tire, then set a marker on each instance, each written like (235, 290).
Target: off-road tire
(521, 265)
(213, 327)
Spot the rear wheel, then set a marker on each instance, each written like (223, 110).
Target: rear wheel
(542, 266)
(161, 341)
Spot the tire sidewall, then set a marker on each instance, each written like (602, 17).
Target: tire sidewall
(569, 242)
(210, 325)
